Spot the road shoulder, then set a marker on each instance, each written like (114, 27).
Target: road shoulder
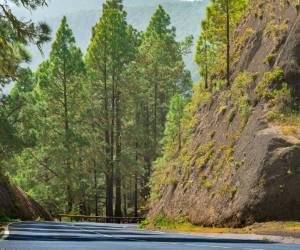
(281, 232)
(236, 236)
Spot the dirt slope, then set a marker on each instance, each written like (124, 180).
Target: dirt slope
(14, 203)
(234, 171)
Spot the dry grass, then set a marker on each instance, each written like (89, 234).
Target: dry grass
(288, 124)
(269, 228)
(278, 228)
(289, 129)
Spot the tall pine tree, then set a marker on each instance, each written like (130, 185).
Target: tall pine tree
(59, 89)
(111, 50)
(161, 71)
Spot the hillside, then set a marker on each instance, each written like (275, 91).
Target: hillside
(185, 17)
(14, 203)
(240, 155)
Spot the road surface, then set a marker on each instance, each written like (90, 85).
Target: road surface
(88, 236)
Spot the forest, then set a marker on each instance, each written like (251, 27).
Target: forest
(107, 131)
(80, 133)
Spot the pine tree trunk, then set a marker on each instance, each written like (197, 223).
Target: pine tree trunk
(109, 171)
(125, 204)
(155, 115)
(109, 194)
(95, 187)
(67, 161)
(228, 42)
(147, 156)
(206, 65)
(118, 202)
(135, 194)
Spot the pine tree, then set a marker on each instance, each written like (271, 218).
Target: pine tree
(226, 13)
(111, 50)
(172, 134)
(15, 34)
(163, 75)
(59, 81)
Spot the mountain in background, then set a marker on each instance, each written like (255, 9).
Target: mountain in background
(83, 15)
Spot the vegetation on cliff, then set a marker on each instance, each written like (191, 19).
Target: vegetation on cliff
(213, 164)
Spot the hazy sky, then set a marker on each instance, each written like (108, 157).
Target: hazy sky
(61, 7)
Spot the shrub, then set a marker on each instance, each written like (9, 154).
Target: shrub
(162, 221)
(271, 81)
(240, 89)
(270, 59)
(207, 184)
(144, 224)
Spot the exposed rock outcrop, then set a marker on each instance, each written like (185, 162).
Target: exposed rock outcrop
(235, 171)
(14, 203)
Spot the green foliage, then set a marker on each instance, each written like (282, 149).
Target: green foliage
(201, 96)
(6, 219)
(211, 61)
(144, 224)
(172, 135)
(207, 184)
(15, 34)
(217, 28)
(275, 30)
(90, 128)
(50, 121)
(162, 222)
(275, 91)
(241, 89)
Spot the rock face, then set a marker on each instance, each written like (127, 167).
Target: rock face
(14, 203)
(237, 172)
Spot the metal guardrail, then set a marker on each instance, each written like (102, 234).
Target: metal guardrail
(99, 219)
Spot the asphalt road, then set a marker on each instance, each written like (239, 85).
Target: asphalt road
(86, 236)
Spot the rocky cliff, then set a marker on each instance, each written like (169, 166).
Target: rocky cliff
(14, 203)
(241, 161)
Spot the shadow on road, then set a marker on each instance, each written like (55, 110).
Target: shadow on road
(84, 233)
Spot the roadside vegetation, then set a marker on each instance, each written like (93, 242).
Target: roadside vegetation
(285, 229)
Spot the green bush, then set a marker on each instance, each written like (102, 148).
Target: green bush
(8, 219)
(241, 89)
(144, 224)
(271, 81)
(162, 221)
